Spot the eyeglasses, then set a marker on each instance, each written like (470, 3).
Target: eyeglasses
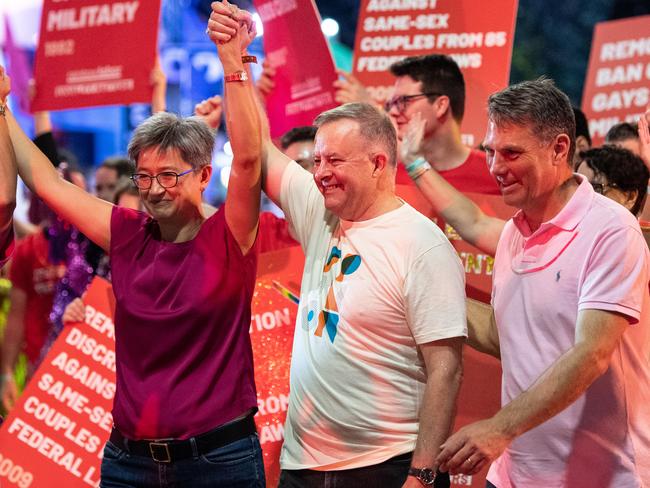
(401, 102)
(601, 187)
(166, 179)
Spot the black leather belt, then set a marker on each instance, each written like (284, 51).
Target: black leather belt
(167, 451)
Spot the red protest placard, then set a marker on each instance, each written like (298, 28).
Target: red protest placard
(273, 319)
(56, 432)
(617, 87)
(477, 37)
(296, 48)
(58, 429)
(95, 54)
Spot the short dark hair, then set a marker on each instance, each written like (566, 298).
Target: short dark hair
(298, 134)
(163, 131)
(582, 126)
(622, 132)
(122, 166)
(539, 104)
(374, 125)
(438, 74)
(622, 168)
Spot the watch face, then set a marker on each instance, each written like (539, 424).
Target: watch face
(427, 476)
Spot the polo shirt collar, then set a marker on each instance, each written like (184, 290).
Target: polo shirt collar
(567, 218)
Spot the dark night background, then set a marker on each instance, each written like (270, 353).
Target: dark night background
(552, 37)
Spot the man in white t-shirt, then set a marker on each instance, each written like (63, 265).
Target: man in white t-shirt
(377, 355)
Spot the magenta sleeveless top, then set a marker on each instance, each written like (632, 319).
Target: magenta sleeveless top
(184, 357)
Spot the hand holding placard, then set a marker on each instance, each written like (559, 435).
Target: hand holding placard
(5, 85)
(644, 136)
(74, 312)
(265, 82)
(349, 89)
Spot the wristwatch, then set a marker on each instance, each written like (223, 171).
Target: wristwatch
(236, 76)
(426, 476)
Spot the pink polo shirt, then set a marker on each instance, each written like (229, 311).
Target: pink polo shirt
(591, 255)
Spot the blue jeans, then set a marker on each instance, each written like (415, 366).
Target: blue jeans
(389, 474)
(236, 465)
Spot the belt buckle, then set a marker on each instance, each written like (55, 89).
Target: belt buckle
(153, 446)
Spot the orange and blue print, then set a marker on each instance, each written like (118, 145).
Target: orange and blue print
(328, 317)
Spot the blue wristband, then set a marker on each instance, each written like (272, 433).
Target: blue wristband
(417, 168)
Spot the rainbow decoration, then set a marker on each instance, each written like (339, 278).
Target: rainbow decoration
(285, 292)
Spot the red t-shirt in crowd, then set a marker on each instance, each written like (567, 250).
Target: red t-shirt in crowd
(273, 233)
(472, 176)
(33, 273)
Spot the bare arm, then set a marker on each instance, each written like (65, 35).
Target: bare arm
(444, 365)
(159, 85)
(69, 201)
(274, 162)
(242, 205)
(13, 339)
(7, 167)
(482, 328)
(598, 333)
(460, 212)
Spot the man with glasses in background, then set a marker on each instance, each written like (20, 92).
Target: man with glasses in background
(433, 87)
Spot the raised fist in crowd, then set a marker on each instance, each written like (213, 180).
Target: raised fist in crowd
(210, 111)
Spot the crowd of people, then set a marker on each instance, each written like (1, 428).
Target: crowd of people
(377, 360)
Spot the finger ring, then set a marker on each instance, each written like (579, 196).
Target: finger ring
(469, 460)
(207, 30)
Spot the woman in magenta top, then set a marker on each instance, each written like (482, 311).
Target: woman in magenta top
(183, 285)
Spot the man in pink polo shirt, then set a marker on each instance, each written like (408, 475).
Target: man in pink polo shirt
(7, 175)
(571, 302)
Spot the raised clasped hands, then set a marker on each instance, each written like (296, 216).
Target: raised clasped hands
(228, 22)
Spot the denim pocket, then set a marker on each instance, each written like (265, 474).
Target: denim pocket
(112, 452)
(238, 452)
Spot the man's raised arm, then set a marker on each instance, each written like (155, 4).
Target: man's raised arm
(221, 28)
